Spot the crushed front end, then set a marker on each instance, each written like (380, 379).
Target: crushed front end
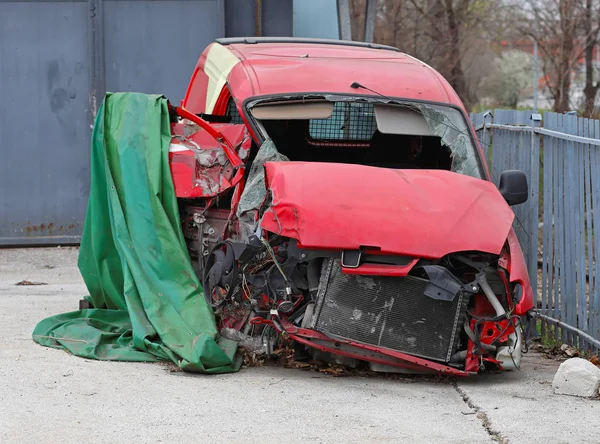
(349, 294)
(455, 315)
(414, 271)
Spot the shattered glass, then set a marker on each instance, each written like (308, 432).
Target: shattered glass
(448, 124)
(443, 121)
(255, 191)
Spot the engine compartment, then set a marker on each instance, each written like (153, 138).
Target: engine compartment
(454, 313)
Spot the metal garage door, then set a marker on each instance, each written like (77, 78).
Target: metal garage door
(55, 58)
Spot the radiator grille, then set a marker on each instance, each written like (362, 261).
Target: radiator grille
(390, 312)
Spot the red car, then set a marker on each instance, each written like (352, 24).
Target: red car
(334, 193)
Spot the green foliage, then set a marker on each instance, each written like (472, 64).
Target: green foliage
(510, 80)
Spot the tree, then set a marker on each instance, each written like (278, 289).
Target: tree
(565, 31)
(456, 36)
(449, 35)
(455, 15)
(511, 76)
(591, 40)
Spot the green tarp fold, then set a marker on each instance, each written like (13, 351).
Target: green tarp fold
(148, 302)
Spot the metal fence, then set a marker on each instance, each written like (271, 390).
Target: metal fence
(556, 226)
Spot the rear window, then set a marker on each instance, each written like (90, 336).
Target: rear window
(348, 122)
(233, 112)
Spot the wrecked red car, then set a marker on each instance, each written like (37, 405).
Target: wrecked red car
(334, 194)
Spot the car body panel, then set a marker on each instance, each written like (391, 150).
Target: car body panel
(278, 68)
(416, 213)
(199, 164)
(517, 269)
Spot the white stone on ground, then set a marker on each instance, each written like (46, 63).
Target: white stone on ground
(577, 377)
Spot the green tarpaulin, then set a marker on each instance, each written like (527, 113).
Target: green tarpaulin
(148, 302)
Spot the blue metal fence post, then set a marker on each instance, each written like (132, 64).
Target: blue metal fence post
(547, 232)
(534, 199)
(486, 136)
(588, 131)
(96, 56)
(580, 236)
(595, 176)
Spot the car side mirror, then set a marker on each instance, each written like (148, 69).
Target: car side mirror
(513, 187)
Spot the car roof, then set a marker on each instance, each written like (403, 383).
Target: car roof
(297, 40)
(276, 66)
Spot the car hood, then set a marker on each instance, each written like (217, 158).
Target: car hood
(418, 213)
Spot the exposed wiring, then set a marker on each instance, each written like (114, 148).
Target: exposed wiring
(275, 261)
(245, 287)
(510, 324)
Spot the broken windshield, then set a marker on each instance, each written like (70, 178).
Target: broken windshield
(373, 132)
(448, 124)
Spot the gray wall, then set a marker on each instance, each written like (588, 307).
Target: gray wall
(316, 18)
(153, 46)
(44, 120)
(57, 58)
(275, 18)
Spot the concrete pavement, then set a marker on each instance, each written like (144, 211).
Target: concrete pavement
(49, 395)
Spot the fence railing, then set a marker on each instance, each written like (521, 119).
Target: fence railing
(560, 154)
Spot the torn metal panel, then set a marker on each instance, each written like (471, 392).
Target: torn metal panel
(255, 191)
(199, 164)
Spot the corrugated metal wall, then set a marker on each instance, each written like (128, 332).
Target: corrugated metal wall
(153, 46)
(44, 120)
(316, 18)
(57, 58)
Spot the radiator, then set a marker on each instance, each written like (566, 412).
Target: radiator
(389, 312)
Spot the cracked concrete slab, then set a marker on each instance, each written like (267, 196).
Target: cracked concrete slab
(521, 405)
(49, 395)
(495, 434)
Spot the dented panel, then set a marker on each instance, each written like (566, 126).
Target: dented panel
(199, 164)
(424, 213)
